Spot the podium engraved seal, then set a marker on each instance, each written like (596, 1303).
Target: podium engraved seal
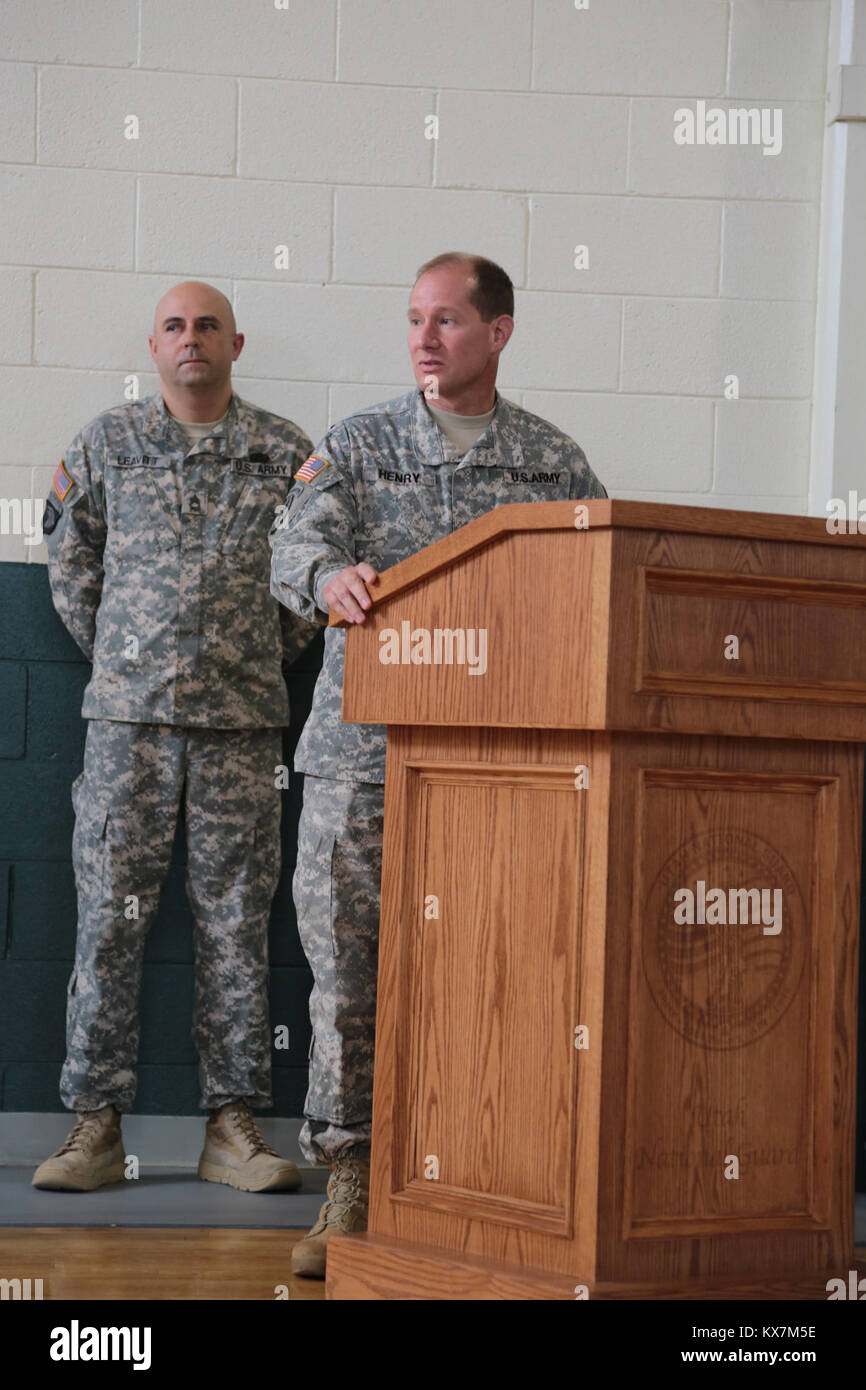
(723, 985)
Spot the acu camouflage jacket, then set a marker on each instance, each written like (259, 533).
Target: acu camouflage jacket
(159, 565)
(382, 485)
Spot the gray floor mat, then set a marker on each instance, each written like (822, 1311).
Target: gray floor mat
(177, 1197)
(163, 1197)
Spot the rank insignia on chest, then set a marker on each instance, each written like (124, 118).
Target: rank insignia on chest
(62, 481)
(313, 465)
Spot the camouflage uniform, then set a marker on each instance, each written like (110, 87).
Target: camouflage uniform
(382, 485)
(135, 778)
(158, 561)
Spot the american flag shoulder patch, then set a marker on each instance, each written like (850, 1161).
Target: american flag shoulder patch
(62, 481)
(313, 465)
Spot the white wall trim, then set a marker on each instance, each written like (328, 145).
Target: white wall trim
(839, 390)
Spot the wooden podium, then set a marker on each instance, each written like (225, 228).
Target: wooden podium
(617, 1014)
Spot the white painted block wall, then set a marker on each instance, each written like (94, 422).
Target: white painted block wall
(304, 126)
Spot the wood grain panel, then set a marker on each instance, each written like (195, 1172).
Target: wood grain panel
(799, 639)
(499, 846)
(503, 590)
(375, 1268)
(795, 608)
(730, 1046)
(556, 881)
(724, 1054)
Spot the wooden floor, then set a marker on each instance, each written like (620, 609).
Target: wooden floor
(100, 1262)
(118, 1262)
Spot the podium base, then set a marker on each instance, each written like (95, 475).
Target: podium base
(368, 1266)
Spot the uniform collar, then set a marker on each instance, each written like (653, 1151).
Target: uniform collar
(499, 442)
(229, 439)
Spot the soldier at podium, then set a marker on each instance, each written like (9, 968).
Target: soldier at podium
(380, 486)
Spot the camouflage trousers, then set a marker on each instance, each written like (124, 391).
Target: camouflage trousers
(336, 890)
(136, 778)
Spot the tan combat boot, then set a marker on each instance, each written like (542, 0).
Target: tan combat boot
(92, 1155)
(345, 1210)
(235, 1152)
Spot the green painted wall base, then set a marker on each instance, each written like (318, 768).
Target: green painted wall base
(42, 676)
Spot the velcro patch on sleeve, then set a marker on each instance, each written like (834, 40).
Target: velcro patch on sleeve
(307, 472)
(62, 481)
(50, 516)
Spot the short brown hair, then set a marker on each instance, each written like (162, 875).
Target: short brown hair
(491, 290)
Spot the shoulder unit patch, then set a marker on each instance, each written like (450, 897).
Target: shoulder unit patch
(50, 516)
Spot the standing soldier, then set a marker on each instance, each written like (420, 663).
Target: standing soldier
(159, 567)
(382, 485)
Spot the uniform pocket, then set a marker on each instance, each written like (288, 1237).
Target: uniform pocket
(90, 847)
(143, 506)
(403, 510)
(299, 497)
(94, 820)
(267, 860)
(354, 896)
(311, 889)
(500, 487)
(248, 520)
(329, 854)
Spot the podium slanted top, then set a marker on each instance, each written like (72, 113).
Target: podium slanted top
(613, 614)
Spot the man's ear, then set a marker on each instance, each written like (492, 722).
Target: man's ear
(237, 345)
(503, 327)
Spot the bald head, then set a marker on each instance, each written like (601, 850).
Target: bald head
(194, 343)
(195, 296)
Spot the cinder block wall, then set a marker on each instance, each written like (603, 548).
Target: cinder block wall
(306, 127)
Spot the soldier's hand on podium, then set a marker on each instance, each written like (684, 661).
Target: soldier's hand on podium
(346, 593)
